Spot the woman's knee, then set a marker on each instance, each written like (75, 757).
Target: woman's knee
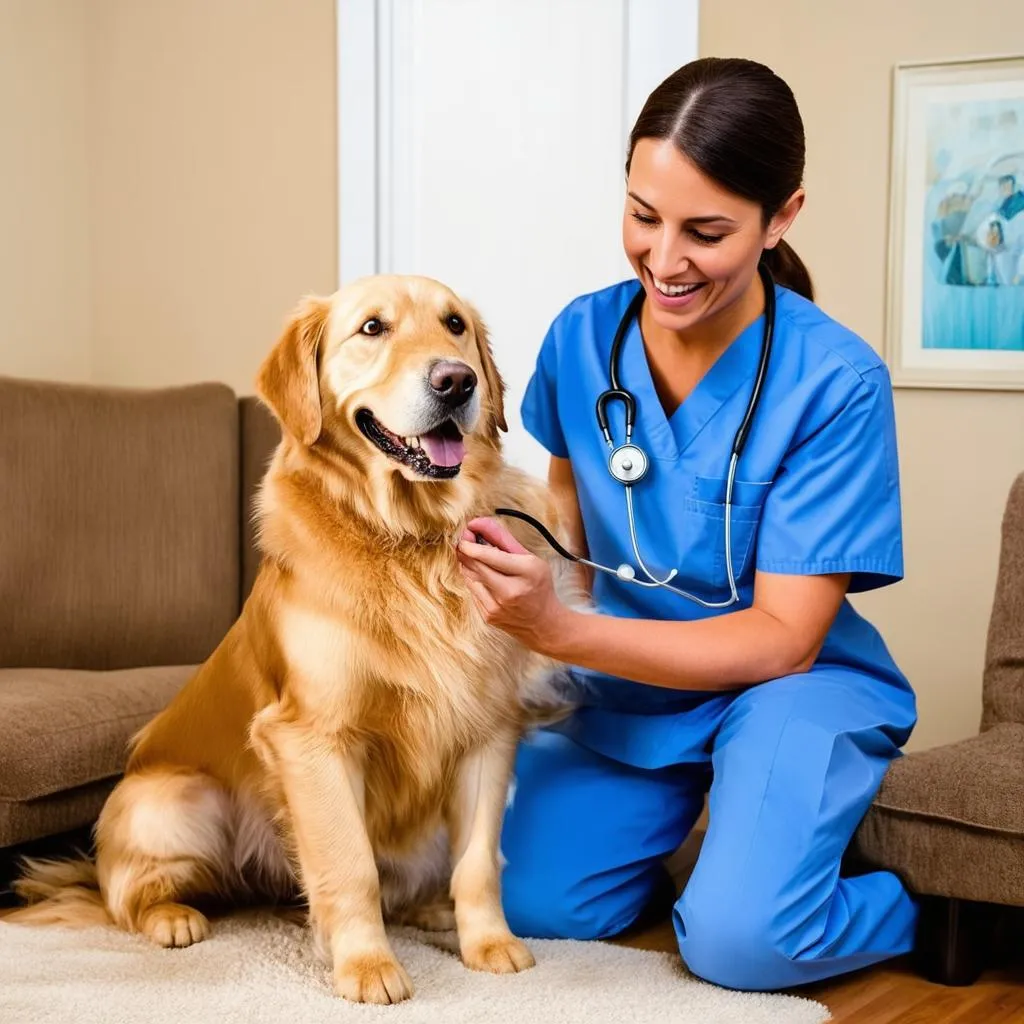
(581, 857)
(543, 905)
(733, 944)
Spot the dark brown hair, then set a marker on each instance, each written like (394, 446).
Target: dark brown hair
(739, 123)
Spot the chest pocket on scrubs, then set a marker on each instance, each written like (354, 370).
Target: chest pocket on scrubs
(704, 530)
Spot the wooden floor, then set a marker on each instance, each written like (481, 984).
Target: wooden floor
(893, 993)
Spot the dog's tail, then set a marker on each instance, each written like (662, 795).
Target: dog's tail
(59, 892)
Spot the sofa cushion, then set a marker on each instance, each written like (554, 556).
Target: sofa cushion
(1003, 693)
(942, 813)
(61, 729)
(977, 782)
(936, 858)
(51, 815)
(260, 436)
(119, 533)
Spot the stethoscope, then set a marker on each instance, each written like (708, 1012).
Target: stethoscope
(628, 462)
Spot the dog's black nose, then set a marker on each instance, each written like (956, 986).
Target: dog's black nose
(453, 382)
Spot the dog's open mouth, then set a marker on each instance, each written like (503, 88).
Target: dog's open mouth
(437, 454)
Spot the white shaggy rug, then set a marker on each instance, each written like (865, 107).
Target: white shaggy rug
(260, 968)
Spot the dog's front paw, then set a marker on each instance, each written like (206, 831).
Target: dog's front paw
(372, 978)
(498, 954)
(173, 924)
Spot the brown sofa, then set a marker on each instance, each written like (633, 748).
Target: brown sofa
(126, 551)
(950, 820)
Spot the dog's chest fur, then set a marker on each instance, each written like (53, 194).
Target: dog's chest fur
(402, 670)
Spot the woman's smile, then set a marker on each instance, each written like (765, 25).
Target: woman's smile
(671, 295)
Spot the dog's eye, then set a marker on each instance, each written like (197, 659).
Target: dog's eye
(455, 323)
(372, 327)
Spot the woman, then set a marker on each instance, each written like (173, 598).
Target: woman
(786, 703)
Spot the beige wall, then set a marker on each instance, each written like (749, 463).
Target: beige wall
(958, 451)
(167, 184)
(214, 189)
(44, 183)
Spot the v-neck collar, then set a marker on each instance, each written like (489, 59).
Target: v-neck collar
(670, 436)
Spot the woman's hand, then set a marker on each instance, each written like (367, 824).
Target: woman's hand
(513, 589)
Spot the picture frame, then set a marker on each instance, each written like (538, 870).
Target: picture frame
(955, 288)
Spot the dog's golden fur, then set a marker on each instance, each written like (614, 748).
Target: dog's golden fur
(352, 736)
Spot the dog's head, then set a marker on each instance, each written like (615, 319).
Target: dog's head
(392, 369)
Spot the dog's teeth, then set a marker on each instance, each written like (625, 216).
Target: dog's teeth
(415, 442)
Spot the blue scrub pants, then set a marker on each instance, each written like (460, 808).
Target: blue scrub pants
(793, 765)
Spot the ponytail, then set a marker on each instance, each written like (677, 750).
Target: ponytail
(788, 269)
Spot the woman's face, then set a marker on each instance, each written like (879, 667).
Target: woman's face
(694, 246)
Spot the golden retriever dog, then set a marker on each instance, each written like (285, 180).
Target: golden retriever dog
(351, 739)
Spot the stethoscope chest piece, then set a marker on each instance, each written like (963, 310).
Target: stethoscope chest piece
(628, 463)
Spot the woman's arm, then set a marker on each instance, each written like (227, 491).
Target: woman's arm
(563, 488)
(779, 635)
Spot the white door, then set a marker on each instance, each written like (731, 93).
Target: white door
(482, 142)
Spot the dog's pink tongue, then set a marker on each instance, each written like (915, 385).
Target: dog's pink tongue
(443, 451)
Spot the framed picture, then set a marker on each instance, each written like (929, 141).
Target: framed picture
(955, 310)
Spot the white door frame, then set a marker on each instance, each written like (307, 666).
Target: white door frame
(369, 44)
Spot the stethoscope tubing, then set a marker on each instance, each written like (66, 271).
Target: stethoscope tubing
(622, 468)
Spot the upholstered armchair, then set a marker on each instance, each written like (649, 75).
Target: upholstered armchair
(950, 821)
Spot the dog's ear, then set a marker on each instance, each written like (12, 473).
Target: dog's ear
(289, 380)
(495, 383)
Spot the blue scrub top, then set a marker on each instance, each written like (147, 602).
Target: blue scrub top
(816, 488)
